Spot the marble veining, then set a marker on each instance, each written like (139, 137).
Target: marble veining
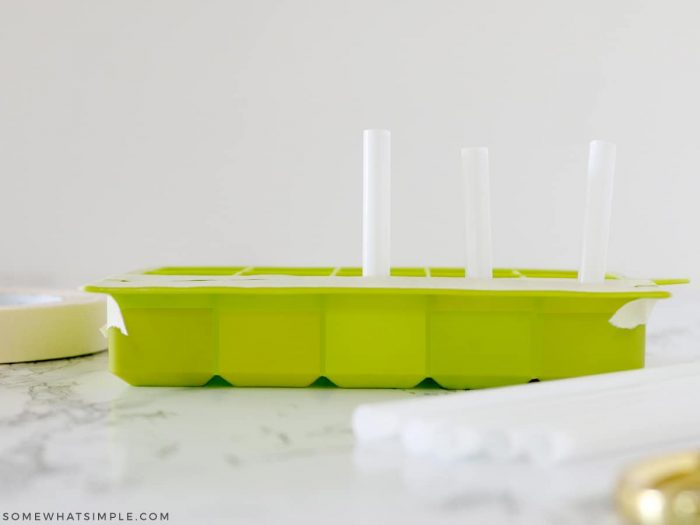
(75, 438)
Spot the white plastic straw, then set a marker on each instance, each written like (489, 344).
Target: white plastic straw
(475, 172)
(651, 416)
(566, 428)
(376, 225)
(596, 229)
(377, 421)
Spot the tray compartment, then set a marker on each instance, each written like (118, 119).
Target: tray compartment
(374, 340)
(170, 340)
(270, 340)
(577, 339)
(478, 342)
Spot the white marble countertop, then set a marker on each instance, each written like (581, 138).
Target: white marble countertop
(74, 438)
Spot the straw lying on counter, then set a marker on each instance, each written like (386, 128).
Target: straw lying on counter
(387, 420)
(544, 422)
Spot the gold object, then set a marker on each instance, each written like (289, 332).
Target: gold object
(662, 491)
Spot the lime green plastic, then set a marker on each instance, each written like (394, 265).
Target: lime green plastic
(359, 337)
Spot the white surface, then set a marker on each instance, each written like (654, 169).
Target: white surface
(376, 204)
(477, 203)
(75, 437)
(639, 287)
(598, 212)
(137, 134)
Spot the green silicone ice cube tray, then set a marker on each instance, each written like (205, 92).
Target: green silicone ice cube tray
(289, 327)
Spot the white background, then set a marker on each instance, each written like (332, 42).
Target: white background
(142, 133)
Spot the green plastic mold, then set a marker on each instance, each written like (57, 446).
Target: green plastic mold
(288, 327)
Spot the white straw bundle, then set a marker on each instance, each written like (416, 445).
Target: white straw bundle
(545, 422)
